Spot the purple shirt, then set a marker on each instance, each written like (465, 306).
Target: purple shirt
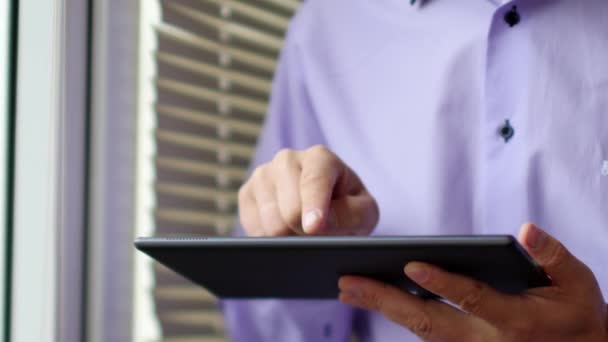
(415, 99)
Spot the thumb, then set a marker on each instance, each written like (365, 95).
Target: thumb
(563, 268)
(352, 215)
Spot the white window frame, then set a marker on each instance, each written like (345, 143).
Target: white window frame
(36, 172)
(5, 21)
(68, 230)
(50, 183)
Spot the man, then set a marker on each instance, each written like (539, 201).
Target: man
(446, 117)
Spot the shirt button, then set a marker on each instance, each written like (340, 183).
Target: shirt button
(507, 131)
(512, 17)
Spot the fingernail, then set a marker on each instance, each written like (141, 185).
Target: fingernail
(417, 273)
(310, 219)
(535, 237)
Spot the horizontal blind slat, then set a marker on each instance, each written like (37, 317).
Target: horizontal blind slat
(200, 168)
(196, 192)
(193, 40)
(243, 32)
(276, 21)
(251, 82)
(222, 222)
(206, 144)
(194, 318)
(289, 5)
(251, 106)
(207, 119)
(187, 292)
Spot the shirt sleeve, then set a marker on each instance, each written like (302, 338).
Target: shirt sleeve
(291, 123)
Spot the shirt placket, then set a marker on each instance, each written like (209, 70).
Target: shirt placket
(504, 131)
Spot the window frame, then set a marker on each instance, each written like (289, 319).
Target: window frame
(112, 129)
(36, 172)
(7, 20)
(50, 150)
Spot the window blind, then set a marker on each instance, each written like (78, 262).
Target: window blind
(215, 61)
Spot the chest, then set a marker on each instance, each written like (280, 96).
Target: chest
(421, 119)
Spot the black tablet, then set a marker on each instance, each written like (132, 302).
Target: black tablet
(309, 267)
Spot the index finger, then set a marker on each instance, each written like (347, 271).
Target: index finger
(320, 172)
(431, 320)
(469, 294)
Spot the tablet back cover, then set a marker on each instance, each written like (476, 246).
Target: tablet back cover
(309, 267)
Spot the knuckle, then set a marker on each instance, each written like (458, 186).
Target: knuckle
(420, 325)
(260, 177)
(284, 156)
(257, 174)
(318, 150)
(309, 177)
(375, 301)
(472, 302)
(331, 162)
(322, 154)
(246, 198)
(557, 256)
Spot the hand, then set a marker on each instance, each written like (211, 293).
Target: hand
(571, 309)
(306, 192)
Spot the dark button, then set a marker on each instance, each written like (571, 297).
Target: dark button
(512, 17)
(507, 131)
(327, 330)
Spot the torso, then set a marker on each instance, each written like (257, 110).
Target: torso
(421, 95)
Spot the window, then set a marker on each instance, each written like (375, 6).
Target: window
(142, 120)
(205, 77)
